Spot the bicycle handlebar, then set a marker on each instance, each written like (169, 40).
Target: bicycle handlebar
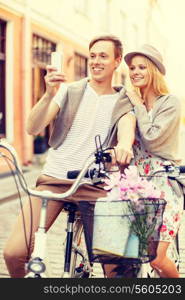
(48, 194)
(173, 171)
(91, 173)
(74, 174)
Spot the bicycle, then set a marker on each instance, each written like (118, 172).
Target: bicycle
(36, 266)
(73, 266)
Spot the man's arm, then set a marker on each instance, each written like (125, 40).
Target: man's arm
(41, 115)
(125, 137)
(45, 109)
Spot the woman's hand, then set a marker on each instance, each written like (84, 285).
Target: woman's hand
(134, 98)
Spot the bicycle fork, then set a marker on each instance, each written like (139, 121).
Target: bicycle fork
(71, 208)
(36, 266)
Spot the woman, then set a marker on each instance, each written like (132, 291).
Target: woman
(158, 120)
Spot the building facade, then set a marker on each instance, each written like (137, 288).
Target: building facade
(30, 30)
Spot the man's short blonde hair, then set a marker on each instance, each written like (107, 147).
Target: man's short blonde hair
(118, 47)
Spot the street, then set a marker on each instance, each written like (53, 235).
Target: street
(8, 213)
(55, 240)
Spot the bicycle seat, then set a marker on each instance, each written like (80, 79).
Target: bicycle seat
(69, 206)
(72, 208)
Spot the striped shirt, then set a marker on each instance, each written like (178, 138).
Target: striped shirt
(92, 118)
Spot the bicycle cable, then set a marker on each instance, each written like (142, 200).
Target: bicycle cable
(8, 161)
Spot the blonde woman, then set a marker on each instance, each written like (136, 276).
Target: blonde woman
(158, 120)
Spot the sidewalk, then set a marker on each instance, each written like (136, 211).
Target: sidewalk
(8, 186)
(55, 240)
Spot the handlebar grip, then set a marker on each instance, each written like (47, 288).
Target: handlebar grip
(74, 174)
(182, 169)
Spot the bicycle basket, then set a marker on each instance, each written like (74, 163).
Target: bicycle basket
(122, 231)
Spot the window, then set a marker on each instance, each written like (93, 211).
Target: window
(80, 66)
(41, 53)
(2, 77)
(42, 49)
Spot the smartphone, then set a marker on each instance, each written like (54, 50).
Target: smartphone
(56, 60)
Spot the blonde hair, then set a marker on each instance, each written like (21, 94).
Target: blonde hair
(156, 80)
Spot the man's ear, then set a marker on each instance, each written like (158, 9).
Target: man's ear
(118, 61)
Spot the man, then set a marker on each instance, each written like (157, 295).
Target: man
(81, 110)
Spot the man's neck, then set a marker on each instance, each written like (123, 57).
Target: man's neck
(102, 87)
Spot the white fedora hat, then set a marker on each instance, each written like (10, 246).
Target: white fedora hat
(151, 53)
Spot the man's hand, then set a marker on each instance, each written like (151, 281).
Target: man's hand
(122, 153)
(53, 79)
(134, 98)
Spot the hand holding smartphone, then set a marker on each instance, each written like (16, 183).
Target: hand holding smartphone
(54, 78)
(56, 60)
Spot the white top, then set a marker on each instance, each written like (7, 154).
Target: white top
(150, 114)
(92, 118)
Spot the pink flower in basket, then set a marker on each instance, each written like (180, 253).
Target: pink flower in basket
(131, 185)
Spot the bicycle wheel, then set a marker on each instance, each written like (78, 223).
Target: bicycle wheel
(80, 266)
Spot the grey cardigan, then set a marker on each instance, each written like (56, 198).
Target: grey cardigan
(69, 107)
(161, 135)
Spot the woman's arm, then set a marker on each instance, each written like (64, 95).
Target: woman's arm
(166, 118)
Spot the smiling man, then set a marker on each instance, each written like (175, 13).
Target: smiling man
(81, 110)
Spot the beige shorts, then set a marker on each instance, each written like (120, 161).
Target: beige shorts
(86, 192)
